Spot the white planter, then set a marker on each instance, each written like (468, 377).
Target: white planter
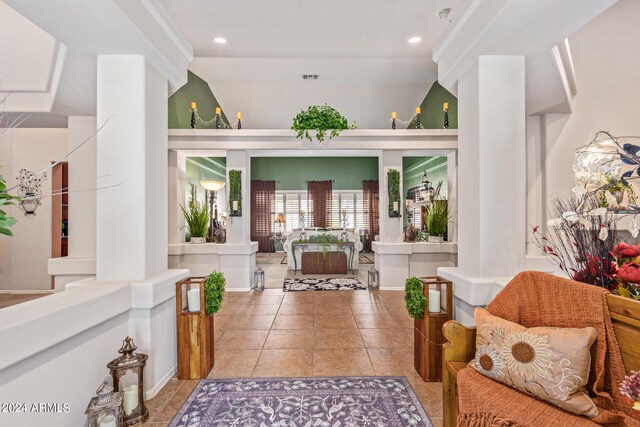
(198, 240)
(435, 239)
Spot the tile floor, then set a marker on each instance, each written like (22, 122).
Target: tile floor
(326, 333)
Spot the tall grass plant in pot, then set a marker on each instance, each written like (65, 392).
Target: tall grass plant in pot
(438, 218)
(197, 216)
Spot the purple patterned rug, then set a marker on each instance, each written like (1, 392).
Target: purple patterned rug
(303, 402)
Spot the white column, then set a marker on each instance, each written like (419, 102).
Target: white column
(492, 167)
(452, 194)
(132, 149)
(390, 228)
(82, 187)
(177, 179)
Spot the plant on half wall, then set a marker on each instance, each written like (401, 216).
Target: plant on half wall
(197, 217)
(235, 193)
(321, 119)
(414, 297)
(393, 188)
(6, 199)
(438, 217)
(214, 286)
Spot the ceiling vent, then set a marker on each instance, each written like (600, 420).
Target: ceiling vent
(444, 13)
(310, 76)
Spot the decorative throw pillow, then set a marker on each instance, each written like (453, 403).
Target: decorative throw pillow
(551, 364)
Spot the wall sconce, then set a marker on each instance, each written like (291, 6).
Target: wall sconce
(30, 191)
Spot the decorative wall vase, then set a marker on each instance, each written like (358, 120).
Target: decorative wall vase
(411, 234)
(235, 193)
(393, 188)
(435, 239)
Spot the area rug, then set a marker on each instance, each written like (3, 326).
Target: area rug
(328, 284)
(298, 402)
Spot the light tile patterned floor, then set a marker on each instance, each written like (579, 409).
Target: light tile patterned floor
(326, 333)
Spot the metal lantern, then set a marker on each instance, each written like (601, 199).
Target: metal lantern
(105, 409)
(258, 279)
(373, 277)
(127, 373)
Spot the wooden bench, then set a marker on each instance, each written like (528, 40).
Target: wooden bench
(461, 348)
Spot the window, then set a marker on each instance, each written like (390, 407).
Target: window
(290, 203)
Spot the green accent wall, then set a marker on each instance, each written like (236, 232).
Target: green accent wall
(196, 90)
(413, 169)
(206, 168)
(432, 116)
(292, 172)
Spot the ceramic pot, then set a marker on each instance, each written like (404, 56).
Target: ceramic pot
(435, 239)
(197, 240)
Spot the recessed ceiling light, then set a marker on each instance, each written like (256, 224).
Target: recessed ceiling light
(220, 40)
(414, 40)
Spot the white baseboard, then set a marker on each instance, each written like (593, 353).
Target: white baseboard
(26, 291)
(150, 394)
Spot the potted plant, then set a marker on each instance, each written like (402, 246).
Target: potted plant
(321, 119)
(438, 218)
(197, 217)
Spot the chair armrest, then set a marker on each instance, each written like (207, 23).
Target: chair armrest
(461, 342)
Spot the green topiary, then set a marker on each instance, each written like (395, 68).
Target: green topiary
(413, 297)
(214, 291)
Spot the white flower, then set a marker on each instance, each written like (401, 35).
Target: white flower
(603, 234)
(488, 362)
(570, 217)
(611, 200)
(598, 212)
(579, 191)
(527, 355)
(554, 222)
(633, 227)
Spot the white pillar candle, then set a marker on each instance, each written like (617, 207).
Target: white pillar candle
(130, 399)
(193, 299)
(235, 205)
(107, 421)
(434, 301)
(395, 206)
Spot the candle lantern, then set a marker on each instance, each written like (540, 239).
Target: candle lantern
(373, 278)
(258, 279)
(127, 373)
(105, 409)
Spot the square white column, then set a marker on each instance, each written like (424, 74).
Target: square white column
(177, 181)
(390, 228)
(239, 227)
(132, 150)
(492, 167)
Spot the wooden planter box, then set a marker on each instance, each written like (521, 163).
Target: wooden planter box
(328, 263)
(195, 334)
(428, 338)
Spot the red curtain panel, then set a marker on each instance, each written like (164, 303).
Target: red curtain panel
(370, 190)
(263, 195)
(320, 195)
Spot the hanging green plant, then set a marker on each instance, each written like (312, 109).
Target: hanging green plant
(235, 193)
(6, 199)
(322, 119)
(214, 286)
(414, 298)
(393, 188)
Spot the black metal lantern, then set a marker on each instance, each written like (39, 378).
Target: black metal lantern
(127, 373)
(105, 409)
(373, 278)
(258, 279)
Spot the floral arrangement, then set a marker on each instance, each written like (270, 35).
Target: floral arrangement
(630, 389)
(581, 236)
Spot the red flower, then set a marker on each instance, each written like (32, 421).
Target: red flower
(629, 272)
(623, 250)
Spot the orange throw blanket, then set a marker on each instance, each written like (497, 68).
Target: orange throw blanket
(534, 299)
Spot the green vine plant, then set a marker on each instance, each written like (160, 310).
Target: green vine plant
(214, 286)
(393, 189)
(235, 192)
(321, 119)
(6, 199)
(414, 298)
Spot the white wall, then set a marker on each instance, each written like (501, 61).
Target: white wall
(605, 54)
(23, 257)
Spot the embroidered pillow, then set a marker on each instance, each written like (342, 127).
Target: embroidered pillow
(551, 364)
